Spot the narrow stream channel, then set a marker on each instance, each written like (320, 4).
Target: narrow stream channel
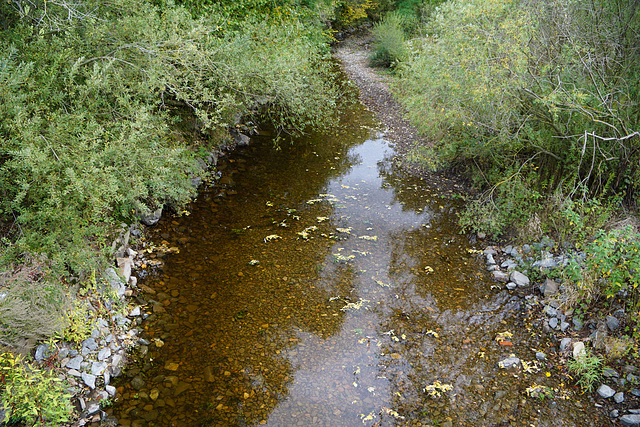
(318, 286)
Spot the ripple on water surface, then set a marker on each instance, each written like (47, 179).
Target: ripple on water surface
(318, 286)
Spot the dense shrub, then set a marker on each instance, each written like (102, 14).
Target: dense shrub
(90, 95)
(389, 40)
(548, 89)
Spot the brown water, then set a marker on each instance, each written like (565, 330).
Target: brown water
(317, 285)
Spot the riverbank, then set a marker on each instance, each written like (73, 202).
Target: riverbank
(549, 306)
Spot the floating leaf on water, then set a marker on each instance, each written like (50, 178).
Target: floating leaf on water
(504, 336)
(391, 412)
(474, 251)
(355, 305)
(428, 269)
(363, 253)
(384, 285)
(290, 211)
(432, 333)
(343, 258)
(373, 238)
(254, 262)
(369, 417)
(322, 218)
(313, 201)
(529, 367)
(269, 204)
(357, 370)
(403, 336)
(437, 388)
(271, 237)
(345, 230)
(371, 389)
(355, 384)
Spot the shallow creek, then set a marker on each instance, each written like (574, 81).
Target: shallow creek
(317, 285)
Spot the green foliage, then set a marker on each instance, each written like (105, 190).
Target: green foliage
(613, 262)
(32, 396)
(512, 202)
(78, 322)
(552, 84)
(388, 40)
(588, 367)
(89, 107)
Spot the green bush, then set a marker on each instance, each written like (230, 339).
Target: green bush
(612, 264)
(498, 84)
(32, 396)
(388, 40)
(90, 108)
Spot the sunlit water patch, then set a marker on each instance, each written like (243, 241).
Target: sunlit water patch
(316, 285)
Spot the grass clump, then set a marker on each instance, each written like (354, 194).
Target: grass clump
(588, 368)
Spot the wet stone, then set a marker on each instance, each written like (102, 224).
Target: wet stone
(137, 383)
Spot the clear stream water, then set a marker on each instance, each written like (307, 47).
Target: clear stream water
(316, 285)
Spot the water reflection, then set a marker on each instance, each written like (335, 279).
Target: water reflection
(318, 286)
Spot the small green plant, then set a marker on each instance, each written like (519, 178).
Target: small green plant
(32, 396)
(78, 322)
(588, 367)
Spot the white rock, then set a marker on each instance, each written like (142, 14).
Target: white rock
(519, 278)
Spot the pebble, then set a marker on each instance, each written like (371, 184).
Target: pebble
(500, 276)
(519, 278)
(551, 312)
(605, 391)
(511, 286)
(564, 343)
(509, 362)
(553, 323)
(541, 356)
(618, 397)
